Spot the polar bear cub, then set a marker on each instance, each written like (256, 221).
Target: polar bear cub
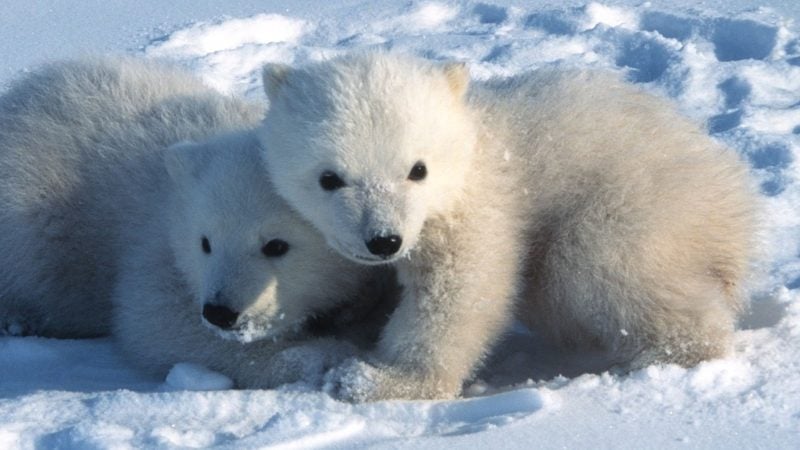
(196, 250)
(81, 171)
(224, 244)
(611, 220)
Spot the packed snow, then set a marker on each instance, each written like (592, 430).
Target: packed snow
(734, 66)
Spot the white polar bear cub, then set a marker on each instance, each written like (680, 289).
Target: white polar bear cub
(613, 220)
(223, 242)
(81, 145)
(191, 242)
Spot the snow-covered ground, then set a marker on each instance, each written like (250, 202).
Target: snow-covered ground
(732, 65)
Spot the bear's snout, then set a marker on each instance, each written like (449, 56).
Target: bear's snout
(219, 315)
(384, 246)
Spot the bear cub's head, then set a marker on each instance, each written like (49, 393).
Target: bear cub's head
(254, 267)
(368, 146)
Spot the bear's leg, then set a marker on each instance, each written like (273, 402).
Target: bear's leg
(458, 287)
(645, 293)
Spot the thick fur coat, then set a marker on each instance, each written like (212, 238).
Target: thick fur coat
(224, 238)
(80, 172)
(609, 219)
(106, 223)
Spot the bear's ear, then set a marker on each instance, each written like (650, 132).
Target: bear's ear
(274, 75)
(457, 74)
(185, 160)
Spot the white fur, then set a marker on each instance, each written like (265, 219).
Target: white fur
(96, 211)
(641, 229)
(80, 170)
(348, 126)
(218, 191)
(597, 205)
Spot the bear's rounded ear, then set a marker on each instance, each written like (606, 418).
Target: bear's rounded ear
(457, 74)
(273, 75)
(185, 160)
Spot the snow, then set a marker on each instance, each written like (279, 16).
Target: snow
(193, 377)
(734, 65)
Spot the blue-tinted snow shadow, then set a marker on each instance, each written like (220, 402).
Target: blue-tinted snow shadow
(669, 25)
(725, 121)
(733, 39)
(557, 22)
(30, 364)
(480, 413)
(765, 311)
(646, 56)
(773, 156)
(491, 14)
(522, 355)
(735, 92)
(770, 161)
(647, 60)
(498, 54)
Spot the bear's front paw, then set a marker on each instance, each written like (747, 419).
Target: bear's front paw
(358, 381)
(354, 381)
(308, 362)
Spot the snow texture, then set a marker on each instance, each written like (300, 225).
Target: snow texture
(193, 377)
(734, 67)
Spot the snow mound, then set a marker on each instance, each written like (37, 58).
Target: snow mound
(193, 377)
(230, 53)
(204, 39)
(426, 17)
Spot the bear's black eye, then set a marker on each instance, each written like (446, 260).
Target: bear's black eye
(275, 247)
(418, 172)
(206, 245)
(330, 181)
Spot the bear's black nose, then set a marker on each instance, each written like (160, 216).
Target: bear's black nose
(384, 245)
(219, 315)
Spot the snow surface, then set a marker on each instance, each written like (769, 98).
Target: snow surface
(732, 64)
